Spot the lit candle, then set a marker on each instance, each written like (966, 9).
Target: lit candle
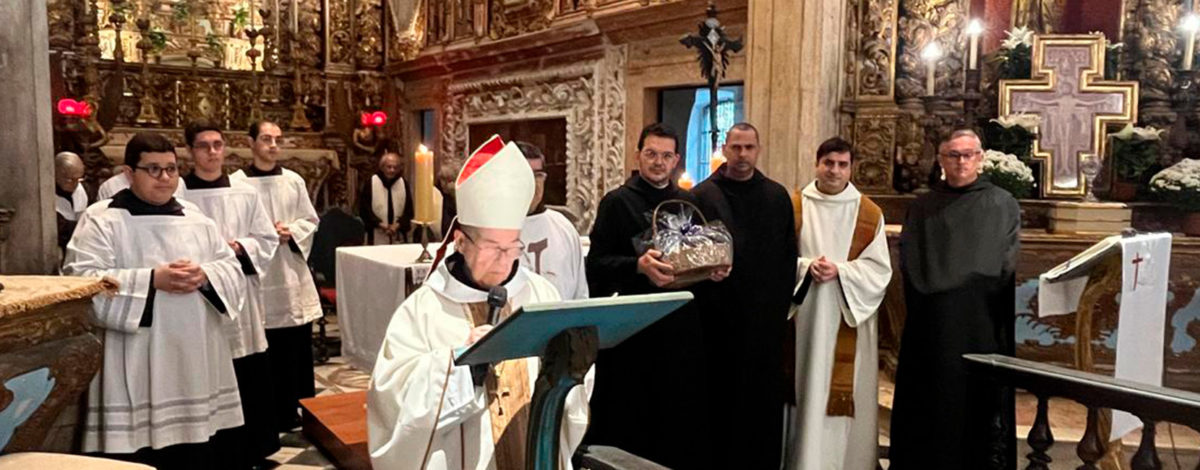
(685, 181)
(1191, 24)
(974, 29)
(931, 54)
(423, 208)
(715, 161)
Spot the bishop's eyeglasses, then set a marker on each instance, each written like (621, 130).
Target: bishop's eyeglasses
(496, 250)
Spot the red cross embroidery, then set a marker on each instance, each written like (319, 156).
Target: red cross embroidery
(1137, 264)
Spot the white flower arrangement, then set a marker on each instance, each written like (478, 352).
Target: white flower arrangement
(1179, 184)
(1018, 36)
(1007, 163)
(1142, 133)
(1029, 122)
(1008, 172)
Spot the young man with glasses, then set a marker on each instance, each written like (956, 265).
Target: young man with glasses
(641, 404)
(166, 392)
(958, 254)
(423, 412)
(289, 294)
(552, 246)
(241, 218)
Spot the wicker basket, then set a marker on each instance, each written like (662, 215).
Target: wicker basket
(693, 263)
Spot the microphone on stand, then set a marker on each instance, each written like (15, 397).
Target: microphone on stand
(497, 297)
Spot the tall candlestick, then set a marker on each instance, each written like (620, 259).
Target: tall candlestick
(1191, 24)
(715, 161)
(423, 208)
(931, 54)
(974, 29)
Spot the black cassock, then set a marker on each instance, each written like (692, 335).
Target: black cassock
(744, 319)
(958, 256)
(646, 398)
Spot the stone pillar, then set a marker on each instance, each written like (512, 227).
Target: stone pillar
(27, 182)
(794, 77)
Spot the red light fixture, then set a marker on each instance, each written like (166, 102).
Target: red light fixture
(71, 108)
(375, 119)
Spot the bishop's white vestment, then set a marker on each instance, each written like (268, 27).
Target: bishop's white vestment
(553, 250)
(170, 381)
(241, 217)
(288, 291)
(422, 408)
(816, 440)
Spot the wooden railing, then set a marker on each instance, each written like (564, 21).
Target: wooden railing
(1149, 403)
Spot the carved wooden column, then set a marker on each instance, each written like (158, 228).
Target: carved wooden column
(872, 92)
(793, 81)
(1150, 42)
(27, 184)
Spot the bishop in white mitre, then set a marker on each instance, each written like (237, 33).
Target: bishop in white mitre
(288, 292)
(167, 384)
(423, 412)
(236, 208)
(844, 270)
(552, 245)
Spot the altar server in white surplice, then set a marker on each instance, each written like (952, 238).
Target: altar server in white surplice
(113, 185)
(72, 198)
(552, 245)
(844, 270)
(167, 387)
(236, 208)
(422, 411)
(288, 292)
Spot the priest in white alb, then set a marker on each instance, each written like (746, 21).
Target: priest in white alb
(552, 245)
(235, 206)
(288, 292)
(844, 270)
(166, 390)
(423, 412)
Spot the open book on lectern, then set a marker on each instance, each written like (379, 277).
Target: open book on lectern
(526, 332)
(1082, 263)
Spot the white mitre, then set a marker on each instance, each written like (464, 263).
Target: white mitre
(495, 187)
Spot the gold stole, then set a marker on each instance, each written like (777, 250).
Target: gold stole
(508, 394)
(841, 383)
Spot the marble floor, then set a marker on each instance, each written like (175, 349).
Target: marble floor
(1178, 446)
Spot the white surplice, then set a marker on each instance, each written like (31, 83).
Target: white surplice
(818, 441)
(288, 292)
(379, 203)
(553, 250)
(173, 381)
(71, 210)
(241, 217)
(417, 394)
(113, 185)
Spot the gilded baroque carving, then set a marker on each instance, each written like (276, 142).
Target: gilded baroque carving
(369, 50)
(1150, 38)
(591, 97)
(874, 143)
(922, 21)
(405, 45)
(61, 16)
(524, 17)
(341, 36)
(877, 49)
